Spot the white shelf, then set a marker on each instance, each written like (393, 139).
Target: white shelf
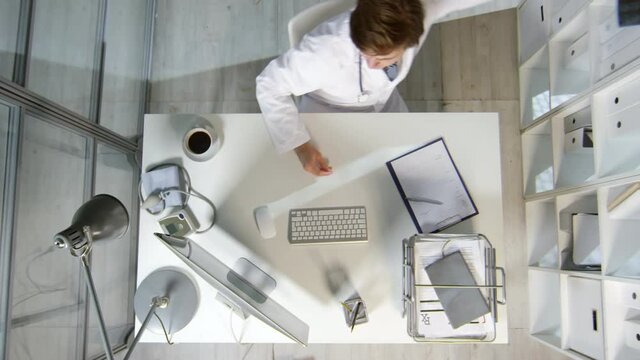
(542, 234)
(582, 45)
(580, 108)
(537, 157)
(621, 250)
(544, 320)
(566, 207)
(534, 87)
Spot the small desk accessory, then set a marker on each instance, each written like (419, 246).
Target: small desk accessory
(431, 187)
(162, 187)
(179, 223)
(162, 178)
(355, 312)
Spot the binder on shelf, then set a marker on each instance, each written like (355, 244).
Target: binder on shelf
(585, 332)
(627, 204)
(608, 28)
(631, 331)
(576, 55)
(431, 187)
(579, 141)
(577, 120)
(631, 296)
(619, 59)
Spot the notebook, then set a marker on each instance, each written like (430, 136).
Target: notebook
(431, 187)
(461, 305)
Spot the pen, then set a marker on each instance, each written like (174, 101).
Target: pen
(346, 307)
(424, 200)
(355, 315)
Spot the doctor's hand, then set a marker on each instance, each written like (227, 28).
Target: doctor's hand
(312, 160)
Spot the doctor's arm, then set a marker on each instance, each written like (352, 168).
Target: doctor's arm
(299, 71)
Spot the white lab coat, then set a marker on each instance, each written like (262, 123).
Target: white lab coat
(326, 68)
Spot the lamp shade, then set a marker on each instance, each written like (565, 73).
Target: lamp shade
(106, 217)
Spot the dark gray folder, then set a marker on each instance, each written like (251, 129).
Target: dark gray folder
(461, 305)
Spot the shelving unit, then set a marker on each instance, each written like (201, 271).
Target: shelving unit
(580, 107)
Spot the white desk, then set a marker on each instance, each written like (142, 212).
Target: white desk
(247, 173)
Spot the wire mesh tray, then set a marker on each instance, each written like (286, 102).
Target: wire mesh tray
(426, 319)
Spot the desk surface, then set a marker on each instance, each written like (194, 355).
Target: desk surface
(247, 173)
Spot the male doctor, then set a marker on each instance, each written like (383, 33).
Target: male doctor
(350, 63)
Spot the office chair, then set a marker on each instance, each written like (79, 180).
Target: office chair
(309, 18)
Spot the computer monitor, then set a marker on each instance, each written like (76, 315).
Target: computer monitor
(234, 288)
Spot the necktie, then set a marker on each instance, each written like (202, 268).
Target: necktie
(391, 71)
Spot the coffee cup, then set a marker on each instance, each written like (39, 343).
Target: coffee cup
(201, 143)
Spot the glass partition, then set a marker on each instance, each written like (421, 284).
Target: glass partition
(47, 288)
(122, 87)
(5, 114)
(63, 52)
(90, 57)
(9, 18)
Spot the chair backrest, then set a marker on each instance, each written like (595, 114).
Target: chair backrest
(309, 18)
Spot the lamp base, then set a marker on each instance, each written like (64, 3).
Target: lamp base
(183, 300)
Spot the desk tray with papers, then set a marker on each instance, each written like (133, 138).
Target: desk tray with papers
(426, 319)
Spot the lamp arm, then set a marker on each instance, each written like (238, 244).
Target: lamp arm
(96, 304)
(157, 302)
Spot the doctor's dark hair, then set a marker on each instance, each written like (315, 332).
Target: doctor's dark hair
(381, 26)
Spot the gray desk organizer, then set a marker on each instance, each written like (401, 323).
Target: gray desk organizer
(414, 307)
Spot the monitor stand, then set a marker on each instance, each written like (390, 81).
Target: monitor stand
(251, 281)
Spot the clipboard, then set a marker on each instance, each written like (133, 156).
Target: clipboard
(432, 188)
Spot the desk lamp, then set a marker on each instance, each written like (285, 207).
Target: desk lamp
(174, 297)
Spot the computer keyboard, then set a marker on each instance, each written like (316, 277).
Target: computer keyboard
(328, 225)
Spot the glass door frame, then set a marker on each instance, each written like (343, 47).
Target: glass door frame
(23, 102)
(39, 109)
(8, 219)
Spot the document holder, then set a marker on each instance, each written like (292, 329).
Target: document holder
(426, 320)
(431, 187)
